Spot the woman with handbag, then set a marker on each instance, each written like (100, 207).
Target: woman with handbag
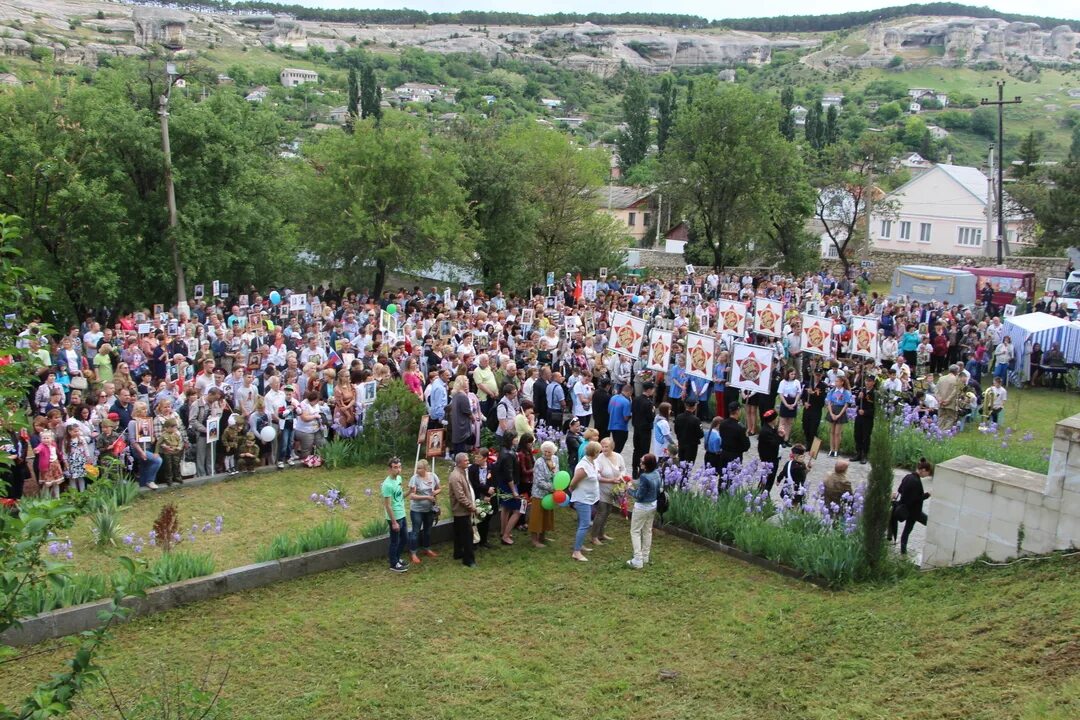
(641, 520)
(542, 521)
(612, 469)
(908, 503)
(585, 492)
(663, 444)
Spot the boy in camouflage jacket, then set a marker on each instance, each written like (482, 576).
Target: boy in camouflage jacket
(170, 446)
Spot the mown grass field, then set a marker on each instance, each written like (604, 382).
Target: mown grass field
(532, 634)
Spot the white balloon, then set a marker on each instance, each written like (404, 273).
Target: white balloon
(268, 433)
(232, 419)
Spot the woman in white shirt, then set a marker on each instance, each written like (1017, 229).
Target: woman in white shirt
(789, 390)
(662, 438)
(585, 492)
(612, 469)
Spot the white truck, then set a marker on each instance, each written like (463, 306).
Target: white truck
(1068, 290)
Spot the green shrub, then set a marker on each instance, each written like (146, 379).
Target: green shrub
(340, 453)
(124, 492)
(329, 533)
(105, 525)
(391, 424)
(61, 592)
(374, 528)
(169, 568)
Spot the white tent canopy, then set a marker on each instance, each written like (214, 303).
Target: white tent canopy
(1045, 329)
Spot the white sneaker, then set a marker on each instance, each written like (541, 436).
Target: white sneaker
(152, 485)
(281, 466)
(634, 564)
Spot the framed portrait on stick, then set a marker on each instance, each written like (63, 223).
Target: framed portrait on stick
(659, 350)
(864, 337)
(769, 317)
(751, 367)
(817, 335)
(435, 447)
(627, 334)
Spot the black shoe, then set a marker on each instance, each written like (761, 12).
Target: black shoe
(472, 564)
(400, 568)
(457, 557)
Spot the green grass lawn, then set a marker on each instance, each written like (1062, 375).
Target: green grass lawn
(255, 509)
(531, 633)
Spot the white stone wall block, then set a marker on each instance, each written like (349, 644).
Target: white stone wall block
(977, 502)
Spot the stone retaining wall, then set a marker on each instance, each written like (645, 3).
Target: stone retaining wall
(885, 262)
(983, 508)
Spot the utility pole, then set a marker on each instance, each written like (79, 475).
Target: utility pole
(170, 192)
(989, 202)
(1001, 102)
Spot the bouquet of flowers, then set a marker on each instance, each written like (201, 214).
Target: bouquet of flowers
(620, 495)
(483, 509)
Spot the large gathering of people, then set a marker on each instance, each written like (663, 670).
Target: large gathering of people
(230, 383)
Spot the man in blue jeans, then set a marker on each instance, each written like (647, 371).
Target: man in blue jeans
(394, 503)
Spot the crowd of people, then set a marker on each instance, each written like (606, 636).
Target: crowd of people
(229, 384)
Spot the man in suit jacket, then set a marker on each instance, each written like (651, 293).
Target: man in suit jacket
(539, 394)
(948, 393)
(641, 417)
(733, 437)
(688, 432)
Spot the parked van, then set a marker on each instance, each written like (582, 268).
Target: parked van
(1068, 290)
(1004, 282)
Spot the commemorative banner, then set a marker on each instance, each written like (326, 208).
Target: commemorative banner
(864, 337)
(627, 334)
(731, 318)
(751, 367)
(817, 335)
(769, 317)
(700, 352)
(660, 342)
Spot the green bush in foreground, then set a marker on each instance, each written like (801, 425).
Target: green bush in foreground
(329, 533)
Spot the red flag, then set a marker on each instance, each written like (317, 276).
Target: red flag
(577, 289)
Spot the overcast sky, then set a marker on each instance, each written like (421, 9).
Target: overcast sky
(705, 8)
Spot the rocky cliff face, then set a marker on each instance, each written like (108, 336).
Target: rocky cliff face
(962, 40)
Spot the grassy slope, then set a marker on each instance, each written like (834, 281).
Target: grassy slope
(556, 639)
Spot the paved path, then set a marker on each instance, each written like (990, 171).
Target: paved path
(857, 473)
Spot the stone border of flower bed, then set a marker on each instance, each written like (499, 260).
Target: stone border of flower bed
(746, 557)
(79, 618)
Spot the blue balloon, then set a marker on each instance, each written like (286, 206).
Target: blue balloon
(275, 297)
(566, 502)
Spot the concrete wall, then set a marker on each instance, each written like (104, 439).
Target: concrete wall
(984, 508)
(884, 263)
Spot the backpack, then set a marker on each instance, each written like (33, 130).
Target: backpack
(662, 501)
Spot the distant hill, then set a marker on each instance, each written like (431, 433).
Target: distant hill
(790, 23)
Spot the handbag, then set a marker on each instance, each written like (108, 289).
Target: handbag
(899, 511)
(79, 383)
(187, 468)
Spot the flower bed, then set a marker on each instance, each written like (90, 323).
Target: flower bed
(820, 541)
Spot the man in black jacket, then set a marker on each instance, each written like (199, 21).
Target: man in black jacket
(768, 446)
(865, 404)
(733, 438)
(641, 415)
(600, 399)
(539, 392)
(688, 432)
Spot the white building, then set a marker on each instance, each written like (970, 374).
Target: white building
(921, 95)
(832, 98)
(799, 113)
(291, 77)
(419, 92)
(941, 211)
(257, 94)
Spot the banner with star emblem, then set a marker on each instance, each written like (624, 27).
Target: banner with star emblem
(864, 337)
(731, 318)
(660, 350)
(627, 333)
(769, 317)
(817, 335)
(751, 367)
(700, 351)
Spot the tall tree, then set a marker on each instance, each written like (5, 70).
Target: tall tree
(726, 162)
(832, 125)
(370, 93)
(354, 100)
(633, 142)
(666, 111)
(815, 125)
(787, 120)
(385, 198)
(1029, 155)
(879, 487)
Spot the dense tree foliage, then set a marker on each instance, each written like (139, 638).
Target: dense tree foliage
(634, 141)
(665, 121)
(729, 167)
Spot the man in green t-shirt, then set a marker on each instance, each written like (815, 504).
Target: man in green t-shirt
(394, 503)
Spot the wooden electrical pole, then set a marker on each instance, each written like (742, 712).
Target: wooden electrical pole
(1001, 102)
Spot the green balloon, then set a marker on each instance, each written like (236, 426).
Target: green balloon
(562, 480)
(548, 502)
(392, 309)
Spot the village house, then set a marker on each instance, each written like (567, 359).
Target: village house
(942, 211)
(291, 77)
(551, 103)
(832, 98)
(799, 113)
(339, 115)
(257, 94)
(630, 206)
(926, 96)
(419, 92)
